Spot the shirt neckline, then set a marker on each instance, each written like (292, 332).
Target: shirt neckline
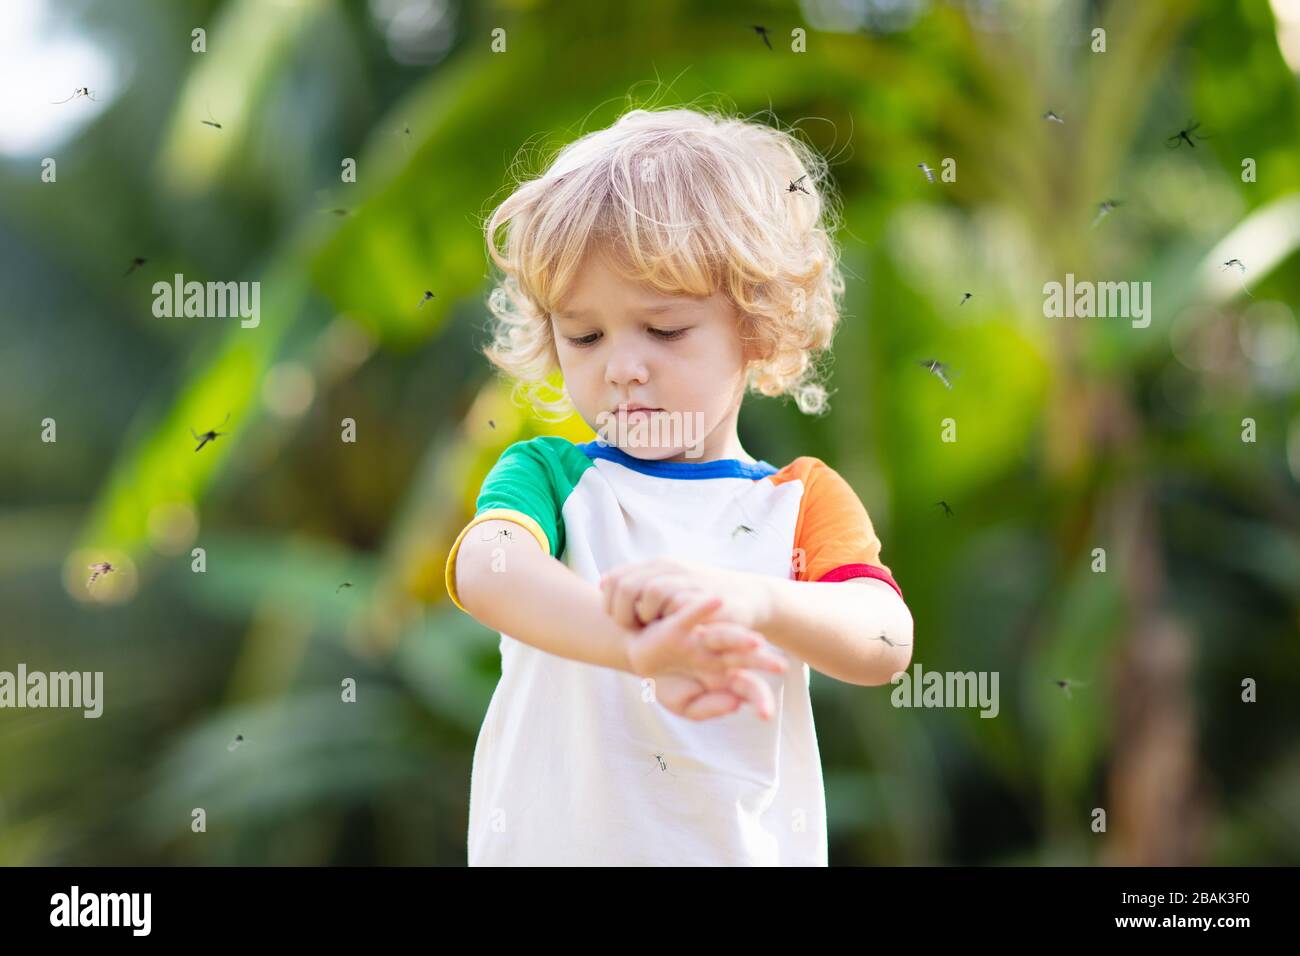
(721, 468)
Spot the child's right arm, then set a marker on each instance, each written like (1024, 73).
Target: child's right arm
(535, 598)
(539, 600)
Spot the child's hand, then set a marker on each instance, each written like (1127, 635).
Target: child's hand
(641, 591)
(684, 643)
(703, 663)
(697, 700)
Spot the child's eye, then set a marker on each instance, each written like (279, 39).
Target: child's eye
(585, 340)
(667, 335)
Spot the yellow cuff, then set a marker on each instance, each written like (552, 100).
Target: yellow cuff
(503, 514)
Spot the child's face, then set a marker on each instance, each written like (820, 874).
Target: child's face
(618, 343)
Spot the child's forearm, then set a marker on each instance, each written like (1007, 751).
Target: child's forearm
(836, 626)
(538, 600)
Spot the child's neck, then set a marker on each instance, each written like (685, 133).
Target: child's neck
(725, 451)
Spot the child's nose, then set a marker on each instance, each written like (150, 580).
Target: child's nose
(626, 365)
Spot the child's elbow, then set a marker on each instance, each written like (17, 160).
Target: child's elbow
(469, 576)
(898, 638)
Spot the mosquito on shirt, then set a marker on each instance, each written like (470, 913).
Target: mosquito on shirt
(663, 767)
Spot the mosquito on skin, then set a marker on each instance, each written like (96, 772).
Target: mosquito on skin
(503, 533)
(885, 637)
(210, 435)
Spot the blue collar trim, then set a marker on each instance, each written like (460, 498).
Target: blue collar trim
(723, 468)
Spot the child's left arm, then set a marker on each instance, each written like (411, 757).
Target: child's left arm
(841, 611)
(857, 630)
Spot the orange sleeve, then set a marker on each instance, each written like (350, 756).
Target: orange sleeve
(833, 537)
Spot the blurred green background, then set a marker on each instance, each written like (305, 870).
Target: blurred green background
(1073, 434)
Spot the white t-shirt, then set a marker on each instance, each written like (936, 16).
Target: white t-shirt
(576, 764)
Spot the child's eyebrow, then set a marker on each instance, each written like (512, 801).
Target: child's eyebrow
(640, 310)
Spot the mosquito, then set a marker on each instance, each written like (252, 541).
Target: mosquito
(136, 263)
(239, 739)
(80, 91)
(211, 120)
(1066, 684)
(1105, 208)
(795, 186)
(1052, 117)
(939, 369)
(965, 297)
(762, 31)
(210, 435)
(503, 533)
(1240, 267)
(947, 512)
(885, 637)
(748, 526)
(98, 568)
(929, 173)
(345, 584)
(427, 296)
(1185, 135)
(663, 767)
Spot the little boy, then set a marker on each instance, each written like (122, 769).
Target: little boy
(649, 583)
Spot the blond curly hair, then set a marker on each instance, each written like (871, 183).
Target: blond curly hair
(688, 202)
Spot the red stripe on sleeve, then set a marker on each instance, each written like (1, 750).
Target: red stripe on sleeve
(846, 572)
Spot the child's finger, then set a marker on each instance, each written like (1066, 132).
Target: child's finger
(684, 620)
(719, 639)
(621, 599)
(657, 595)
(713, 704)
(739, 647)
(751, 687)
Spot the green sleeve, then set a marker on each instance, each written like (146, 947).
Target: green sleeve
(528, 485)
(524, 480)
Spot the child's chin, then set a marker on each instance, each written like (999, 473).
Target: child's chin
(653, 454)
(646, 452)
(635, 448)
